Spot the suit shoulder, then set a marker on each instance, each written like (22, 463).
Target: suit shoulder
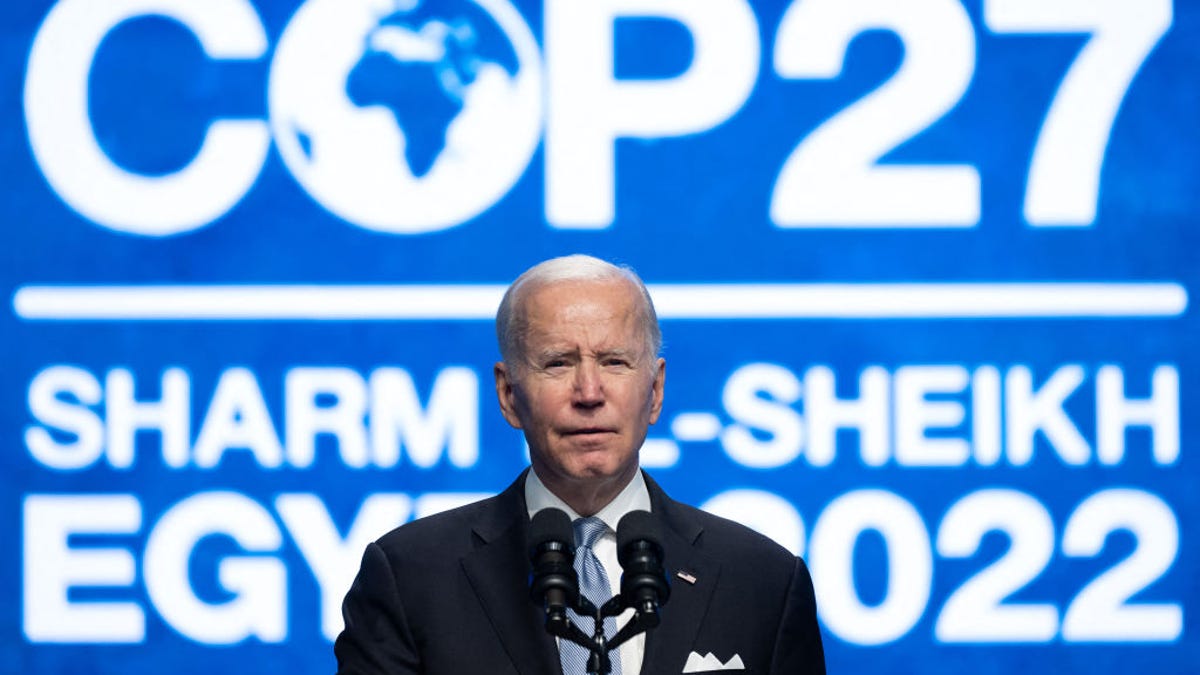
(729, 539)
(439, 532)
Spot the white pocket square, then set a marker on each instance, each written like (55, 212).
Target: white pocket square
(709, 662)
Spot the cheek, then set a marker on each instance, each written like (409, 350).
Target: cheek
(539, 407)
(641, 395)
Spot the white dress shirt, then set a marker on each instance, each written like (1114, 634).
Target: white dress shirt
(634, 497)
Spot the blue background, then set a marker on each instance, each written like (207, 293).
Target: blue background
(692, 209)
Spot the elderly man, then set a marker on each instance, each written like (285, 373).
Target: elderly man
(581, 376)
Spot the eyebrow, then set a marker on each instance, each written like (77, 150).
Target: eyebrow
(617, 352)
(547, 354)
(554, 353)
(633, 356)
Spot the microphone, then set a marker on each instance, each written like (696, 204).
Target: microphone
(554, 584)
(644, 582)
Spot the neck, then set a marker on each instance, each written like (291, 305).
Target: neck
(586, 497)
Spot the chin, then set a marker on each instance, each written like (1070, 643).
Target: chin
(599, 470)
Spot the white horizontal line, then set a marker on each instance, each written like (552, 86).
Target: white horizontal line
(236, 302)
(696, 426)
(659, 453)
(673, 301)
(899, 301)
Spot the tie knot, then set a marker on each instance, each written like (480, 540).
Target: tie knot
(588, 530)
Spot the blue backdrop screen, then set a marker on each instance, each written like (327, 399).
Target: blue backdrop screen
(923, 269)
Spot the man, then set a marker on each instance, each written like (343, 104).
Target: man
(581, 376)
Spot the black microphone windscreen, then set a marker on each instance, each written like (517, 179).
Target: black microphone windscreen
(637, 526)
(551, 525)
(644, 584)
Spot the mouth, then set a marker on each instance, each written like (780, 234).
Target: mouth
(588, 432)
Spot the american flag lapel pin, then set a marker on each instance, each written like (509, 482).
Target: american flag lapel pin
(686, 577)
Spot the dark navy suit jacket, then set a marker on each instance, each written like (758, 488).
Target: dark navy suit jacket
(449, 595)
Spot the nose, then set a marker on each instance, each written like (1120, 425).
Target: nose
(589, 388)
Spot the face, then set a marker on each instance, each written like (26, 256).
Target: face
(586, 389)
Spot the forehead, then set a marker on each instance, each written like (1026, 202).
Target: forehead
(598, 309)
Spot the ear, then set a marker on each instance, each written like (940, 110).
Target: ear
(656, 396)
(506, 394)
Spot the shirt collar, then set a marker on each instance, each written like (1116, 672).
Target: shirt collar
(634, 497)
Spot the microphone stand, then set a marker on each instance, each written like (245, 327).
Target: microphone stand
(599, 646)
(555, 587)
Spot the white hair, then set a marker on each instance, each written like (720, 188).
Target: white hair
(510, 320)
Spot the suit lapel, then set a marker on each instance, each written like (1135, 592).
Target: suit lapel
(499, 572)
(668, 645)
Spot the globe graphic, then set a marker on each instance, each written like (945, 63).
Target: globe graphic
(406, 117)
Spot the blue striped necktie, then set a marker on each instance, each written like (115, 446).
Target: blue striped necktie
(593, 585)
